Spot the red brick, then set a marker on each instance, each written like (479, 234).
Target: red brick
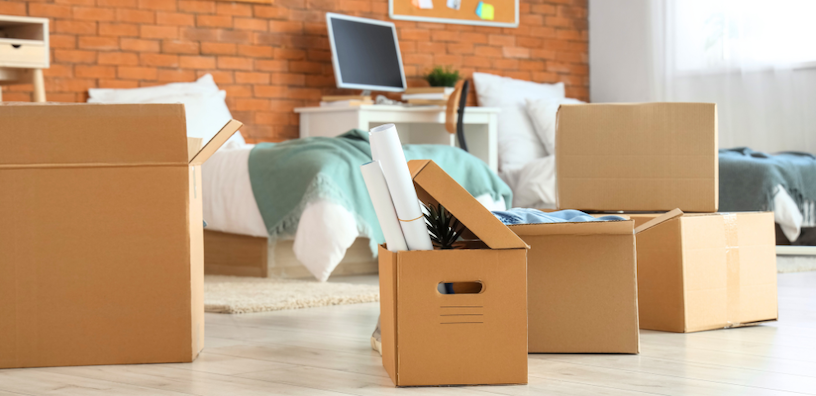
(118, 58)
(159, 32)
(118, 84)
(224, 21)
(74, 27)
(251, 78)
(289, 79)
(219, 76)
(47, 10)
(256, 24)
(483, 50)
(250, 104)
(118, 29)
(291, 54)
(179, 47)
(62, 41)
(13, 8)
(312, 94)
(60, 70)
(202, 7)
(234, 63)
(218, 48)
(233, 8)
(255, 51)
(270, 91)
(506, 64)
(477, 61)
(271, 65)
(237, 91)
(174, 19)
(444, 35)
(164, 5)
(137, 73)
(460, 48)
(118, 3)
(285, 26)
(415, 34)
(74, 56)
(516, 52)
(270, 12)
(71, 84)
(95, 71)
(199, 34)
(235, 36)
(159, 60)
(135, 16)
(98, 43)
(139, 45)
(176, 75)
(502, 40)
(197, 62)
(417, 59)
(94, 14)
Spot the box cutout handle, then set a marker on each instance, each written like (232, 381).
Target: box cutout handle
(474, 287)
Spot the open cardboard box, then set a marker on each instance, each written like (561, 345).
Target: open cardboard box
(581, 287)
(637, 157)
(101, 249)
(705, 271)
(470, 338)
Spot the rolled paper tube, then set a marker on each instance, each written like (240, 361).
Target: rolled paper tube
(386, 147)
(383, 207)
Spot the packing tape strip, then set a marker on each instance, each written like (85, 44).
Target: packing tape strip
(408, 221)
(733, 269)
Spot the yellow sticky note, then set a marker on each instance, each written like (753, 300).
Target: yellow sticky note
(487, 11)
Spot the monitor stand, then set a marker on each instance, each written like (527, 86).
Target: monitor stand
(366, 92)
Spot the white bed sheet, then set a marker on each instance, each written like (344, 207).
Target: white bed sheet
(230, 206)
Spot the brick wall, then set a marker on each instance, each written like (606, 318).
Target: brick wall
(273, 58)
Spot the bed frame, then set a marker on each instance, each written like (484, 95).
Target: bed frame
(243, 255)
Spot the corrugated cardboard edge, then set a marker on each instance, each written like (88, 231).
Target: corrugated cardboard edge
(659, 220)
(216, 142)
(475, 217)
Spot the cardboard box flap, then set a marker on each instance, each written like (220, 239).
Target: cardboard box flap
(428, 176)
(55, 135)
(216, 142)
(659, 220)
(613, 227)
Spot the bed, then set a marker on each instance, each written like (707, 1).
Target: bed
(237, 238)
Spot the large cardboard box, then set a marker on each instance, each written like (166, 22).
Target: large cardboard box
(706, 271)
(480, 338)
(101, 252)
(581, 287)
(637, 157)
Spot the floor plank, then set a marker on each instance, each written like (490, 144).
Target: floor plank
(326, 351)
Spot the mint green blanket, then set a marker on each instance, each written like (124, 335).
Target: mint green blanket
(287, 176)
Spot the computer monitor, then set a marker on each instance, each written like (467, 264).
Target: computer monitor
(365, 53)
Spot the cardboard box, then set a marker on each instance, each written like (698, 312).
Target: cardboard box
(581, 287)
(480, 338)
(102, 252)
(706, 271)
(637, 157)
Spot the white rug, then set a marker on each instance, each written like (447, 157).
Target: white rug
(785, 264)
(232, 294)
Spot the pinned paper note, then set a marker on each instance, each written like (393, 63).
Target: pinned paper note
(485, 11)
(426, 4)
(454, 4)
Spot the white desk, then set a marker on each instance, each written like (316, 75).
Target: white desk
(416, 125)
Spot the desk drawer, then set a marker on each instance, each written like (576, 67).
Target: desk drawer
(22, 54)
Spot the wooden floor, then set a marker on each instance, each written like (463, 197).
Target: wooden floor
(325, 351)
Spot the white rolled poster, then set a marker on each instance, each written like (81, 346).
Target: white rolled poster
(383, 207)
(386, 148)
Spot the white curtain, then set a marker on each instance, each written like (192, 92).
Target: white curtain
(755, 59)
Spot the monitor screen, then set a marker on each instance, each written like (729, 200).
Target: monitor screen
(366, 53)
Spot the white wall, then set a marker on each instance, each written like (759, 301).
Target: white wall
(767, 111)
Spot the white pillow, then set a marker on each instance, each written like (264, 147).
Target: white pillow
(542, 112)
(205, 113)
(518, 142)
(204, 105)
(203, 85)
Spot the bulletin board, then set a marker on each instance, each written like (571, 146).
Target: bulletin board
(502, 13)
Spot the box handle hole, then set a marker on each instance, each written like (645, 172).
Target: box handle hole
(16, 45)
(474, 287)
